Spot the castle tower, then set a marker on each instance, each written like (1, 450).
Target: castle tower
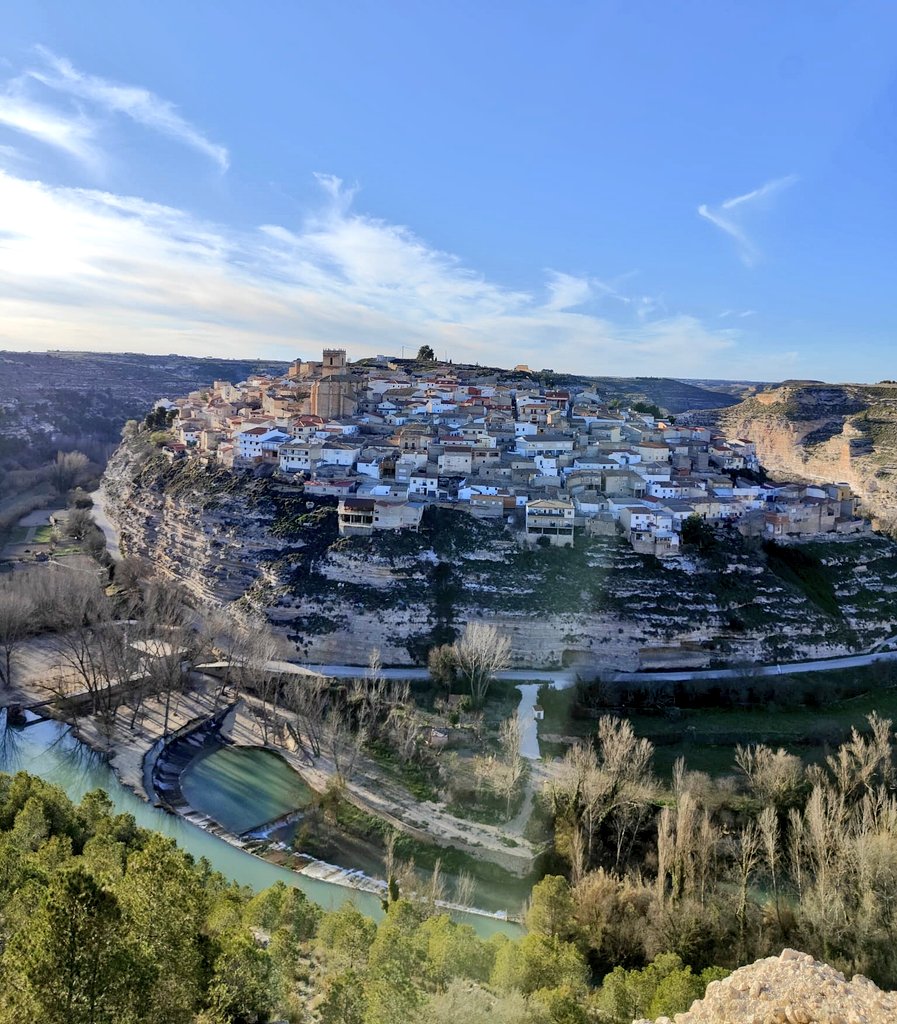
(295, 369)
(334, 361)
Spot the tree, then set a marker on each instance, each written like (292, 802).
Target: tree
(775, 776)
(17, 611)
(697, 533)
(68, 961)
(240, 986)
(68, 469)
(425, 354)
(551, 908)
(441, 664)
(481, 651)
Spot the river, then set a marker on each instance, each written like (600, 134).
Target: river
(48, 749)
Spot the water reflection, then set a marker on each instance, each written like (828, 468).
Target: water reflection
(50, 751)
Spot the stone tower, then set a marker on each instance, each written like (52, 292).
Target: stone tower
(334, 362)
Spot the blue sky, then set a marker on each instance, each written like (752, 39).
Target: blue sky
(700, 189)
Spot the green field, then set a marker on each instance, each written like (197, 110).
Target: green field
(707, 737)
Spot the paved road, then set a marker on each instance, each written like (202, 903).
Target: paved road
(787, 668)
(110, 532)
(560, 678)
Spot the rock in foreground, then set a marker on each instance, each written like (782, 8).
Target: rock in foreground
(789, 989)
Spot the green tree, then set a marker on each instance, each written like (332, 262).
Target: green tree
(240, 989)
(64, 966)
(425, 354)
(453, 951)
(665, 986)
(395, 967)
(696, 533)
(343, 1001)
(551, 908)
(345, 936)
(163, 906)
(539, 961)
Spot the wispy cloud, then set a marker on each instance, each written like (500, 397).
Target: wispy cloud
(73, 135)
(90, 269)
(729, 214)
(566, 291)
(139, 104)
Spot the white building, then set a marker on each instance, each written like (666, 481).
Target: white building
(551, 518)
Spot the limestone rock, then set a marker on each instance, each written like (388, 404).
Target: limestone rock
(791, 988)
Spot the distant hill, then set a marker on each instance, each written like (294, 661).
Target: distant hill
(69, 400)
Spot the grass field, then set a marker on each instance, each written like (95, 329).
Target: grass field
(707, 737)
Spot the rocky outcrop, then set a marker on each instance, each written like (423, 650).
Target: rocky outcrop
(229, 536)
(789, 989)
(827, 433)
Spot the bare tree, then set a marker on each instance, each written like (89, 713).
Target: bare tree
(609, 782)
(465, 889)
(68, 469)
(341, 742)
(481, 652)
(169, 643)
(308, 700)
(17, 613)
(775, 776)
(510, 739)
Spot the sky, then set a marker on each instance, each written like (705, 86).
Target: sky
(691, 189)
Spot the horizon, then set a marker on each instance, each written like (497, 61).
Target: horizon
(486, 366)
(637, 196)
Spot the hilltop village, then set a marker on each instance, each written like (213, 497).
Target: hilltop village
(387, 438)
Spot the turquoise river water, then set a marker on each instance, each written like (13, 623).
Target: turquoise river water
(48, 749)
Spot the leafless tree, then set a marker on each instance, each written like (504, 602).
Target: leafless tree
(510, 740)
(465, 889)
(608, 782)
(481, 651)
(686, 851)
(775, 776)
(307, 700)
(17, 614)
(341, 742)
(68, 469)
(863, 762)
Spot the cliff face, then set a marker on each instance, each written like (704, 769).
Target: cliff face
(827, 433)
(229, 537)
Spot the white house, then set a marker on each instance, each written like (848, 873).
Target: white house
(339, 453)
(255, 442)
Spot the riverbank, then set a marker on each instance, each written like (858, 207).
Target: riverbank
(128, 740)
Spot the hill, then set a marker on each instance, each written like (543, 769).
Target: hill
(812, 431)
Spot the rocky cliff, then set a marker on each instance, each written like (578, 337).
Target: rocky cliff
(826, 433)
(234, 537)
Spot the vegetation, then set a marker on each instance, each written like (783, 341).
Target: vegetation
(797, 566)
(731, 869)
(101, 921)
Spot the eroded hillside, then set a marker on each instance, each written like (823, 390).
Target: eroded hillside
(230, 536)
(822, 432)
